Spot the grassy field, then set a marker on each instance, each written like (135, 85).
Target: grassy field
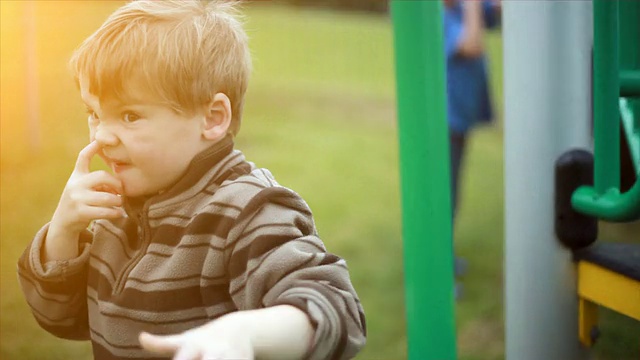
(323, 85)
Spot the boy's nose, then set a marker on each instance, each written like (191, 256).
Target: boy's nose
(104, 136)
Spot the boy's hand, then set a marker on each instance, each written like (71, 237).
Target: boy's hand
(224, 338)
(281, 332)
(86, 197)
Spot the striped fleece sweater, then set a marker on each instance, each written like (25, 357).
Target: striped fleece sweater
(225, 237)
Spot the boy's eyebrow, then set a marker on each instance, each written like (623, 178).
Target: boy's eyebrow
(117, 104)
(129, 103)
(119, 107)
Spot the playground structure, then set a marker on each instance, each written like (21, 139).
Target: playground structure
(555, 53)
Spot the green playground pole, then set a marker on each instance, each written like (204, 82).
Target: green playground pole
(424, 172)
(630, 75)
(606, 92)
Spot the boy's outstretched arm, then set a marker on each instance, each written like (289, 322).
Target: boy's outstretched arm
(276, 257)
(296, 299)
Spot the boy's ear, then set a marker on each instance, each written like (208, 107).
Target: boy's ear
(217, 117)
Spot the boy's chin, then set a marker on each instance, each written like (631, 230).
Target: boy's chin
(132, 191)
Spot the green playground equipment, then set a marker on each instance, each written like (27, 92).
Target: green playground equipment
(548, 71)
(609, 273)
(617, 35)
(424, 167)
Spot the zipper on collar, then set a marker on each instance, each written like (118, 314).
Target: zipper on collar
(143, 237)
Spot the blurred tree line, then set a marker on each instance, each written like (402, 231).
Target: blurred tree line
(373, 6)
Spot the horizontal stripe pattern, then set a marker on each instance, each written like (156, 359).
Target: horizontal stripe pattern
(226, 239)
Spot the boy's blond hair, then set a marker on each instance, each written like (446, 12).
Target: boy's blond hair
(181, 52)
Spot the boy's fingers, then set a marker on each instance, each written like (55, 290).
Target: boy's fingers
(85, 156)
(90, 213)
(101, 180)
(162, 345)
(97, 198)
(107, 189)
(189, 353)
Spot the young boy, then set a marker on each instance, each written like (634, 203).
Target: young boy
(188, 240)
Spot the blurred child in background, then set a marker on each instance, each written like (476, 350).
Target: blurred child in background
(468, 95)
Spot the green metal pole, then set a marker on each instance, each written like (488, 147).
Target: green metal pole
(424, 172)
(630, 39)
(630, 81)
(606, 92)
(630, 76)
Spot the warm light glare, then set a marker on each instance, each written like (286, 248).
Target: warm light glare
(38, 93)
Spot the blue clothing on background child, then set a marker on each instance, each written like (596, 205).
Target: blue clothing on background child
(467, 81)
(468, 96)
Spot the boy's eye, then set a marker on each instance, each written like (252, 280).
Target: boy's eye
(130, 117)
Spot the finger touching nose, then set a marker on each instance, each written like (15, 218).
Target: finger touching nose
(84, 157)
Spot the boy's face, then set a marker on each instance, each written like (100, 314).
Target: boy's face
(146, 145)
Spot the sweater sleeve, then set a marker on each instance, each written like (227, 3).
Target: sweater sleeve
(56, 290)
(275, 257)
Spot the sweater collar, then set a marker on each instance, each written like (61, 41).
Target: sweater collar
(199, 166)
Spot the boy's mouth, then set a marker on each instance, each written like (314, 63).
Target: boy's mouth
(116, 165)
(119, 167)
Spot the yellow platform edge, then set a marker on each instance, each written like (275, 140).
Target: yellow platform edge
(609, 289)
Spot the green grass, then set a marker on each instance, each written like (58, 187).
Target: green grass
(323, 85)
